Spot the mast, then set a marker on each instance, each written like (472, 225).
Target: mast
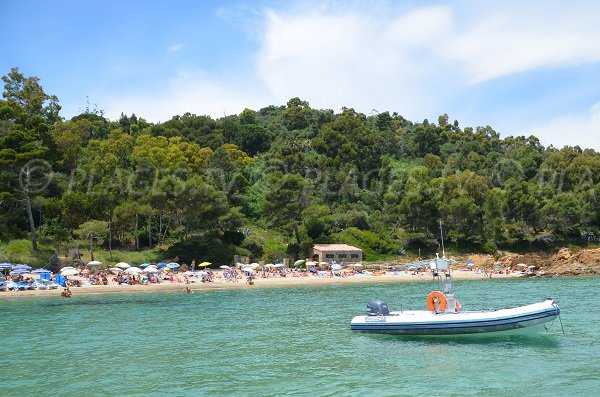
(442, 236)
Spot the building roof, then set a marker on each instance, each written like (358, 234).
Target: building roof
(335, 247)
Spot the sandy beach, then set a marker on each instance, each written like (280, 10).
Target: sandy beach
(220, 283)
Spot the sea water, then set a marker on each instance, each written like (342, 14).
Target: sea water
(292, 341)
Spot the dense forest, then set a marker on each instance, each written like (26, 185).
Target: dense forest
(211, 188)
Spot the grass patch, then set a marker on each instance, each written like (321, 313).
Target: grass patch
(20, 251)
(144, 256)
(375, 247)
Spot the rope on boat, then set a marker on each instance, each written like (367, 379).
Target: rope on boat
(559, 319)
(561, 325)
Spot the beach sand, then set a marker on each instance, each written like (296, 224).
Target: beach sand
(259, 282)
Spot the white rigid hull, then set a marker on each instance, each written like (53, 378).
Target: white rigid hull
(524, 318)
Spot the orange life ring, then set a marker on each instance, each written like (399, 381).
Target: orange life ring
(441, 299)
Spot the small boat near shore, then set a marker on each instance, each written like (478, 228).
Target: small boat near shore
(444, 315)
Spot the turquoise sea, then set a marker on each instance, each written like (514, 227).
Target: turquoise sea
(292, 342)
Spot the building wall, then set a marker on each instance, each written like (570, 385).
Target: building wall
(339, 256)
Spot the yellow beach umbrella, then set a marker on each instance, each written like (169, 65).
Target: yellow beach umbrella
(204, 264)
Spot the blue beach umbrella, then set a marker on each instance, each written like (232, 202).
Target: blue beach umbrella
(161, 264)
(40, 271)
(144, 264)
(21, 266)
(172, 265)
(6, 265)
(498, 267)
(18, 271)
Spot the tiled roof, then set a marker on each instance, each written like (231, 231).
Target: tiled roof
(335, 247)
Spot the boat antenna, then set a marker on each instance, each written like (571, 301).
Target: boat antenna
(442, 236)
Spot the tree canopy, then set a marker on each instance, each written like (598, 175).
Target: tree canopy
(311, 175)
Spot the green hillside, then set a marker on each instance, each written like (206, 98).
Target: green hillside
(270, 182)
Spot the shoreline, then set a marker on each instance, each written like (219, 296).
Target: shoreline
(276, 282)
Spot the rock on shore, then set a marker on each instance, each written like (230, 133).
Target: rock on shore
(563, 263)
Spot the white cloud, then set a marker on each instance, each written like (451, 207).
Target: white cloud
(582, 130)
(192, 91)
(352, 59)
(518, 38)
(175, 47)
(418, 62)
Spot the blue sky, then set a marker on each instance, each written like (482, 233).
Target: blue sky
(522, 67)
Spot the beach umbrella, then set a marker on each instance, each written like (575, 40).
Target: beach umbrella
(94, 263)
(313, 270)
(133, 270)
(498, 267)
(69, 272)
(299, 262)
(18, 271)
(21, 266)
(312, 263)
(115, 269)
(67, 268)
(521, 265)
(122, 265)
(5, 265)
(531, 267)
(40, 271)
(278, 265)
(144, 265)
(161, 264)
(151, 269)
(204, 264)
(224, 267)
(172, 265)
(355, 265)
(250, 266)
(336, 267)
(248, 270)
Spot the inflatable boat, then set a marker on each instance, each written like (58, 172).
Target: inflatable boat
(444, 315)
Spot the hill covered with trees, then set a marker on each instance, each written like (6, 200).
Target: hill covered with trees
(271, 182)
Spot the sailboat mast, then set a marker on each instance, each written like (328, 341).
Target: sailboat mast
(442, 236)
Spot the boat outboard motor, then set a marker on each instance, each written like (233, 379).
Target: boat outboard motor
(377, 308)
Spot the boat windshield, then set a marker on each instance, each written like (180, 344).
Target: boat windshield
(445, 283)
(441, 273)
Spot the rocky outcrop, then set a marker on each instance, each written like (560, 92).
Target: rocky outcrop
(563, 263)
(586, 261)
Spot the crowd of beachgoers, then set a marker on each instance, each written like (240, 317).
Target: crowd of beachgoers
(96, 277)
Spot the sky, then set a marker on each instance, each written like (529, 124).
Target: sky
(522, 67)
